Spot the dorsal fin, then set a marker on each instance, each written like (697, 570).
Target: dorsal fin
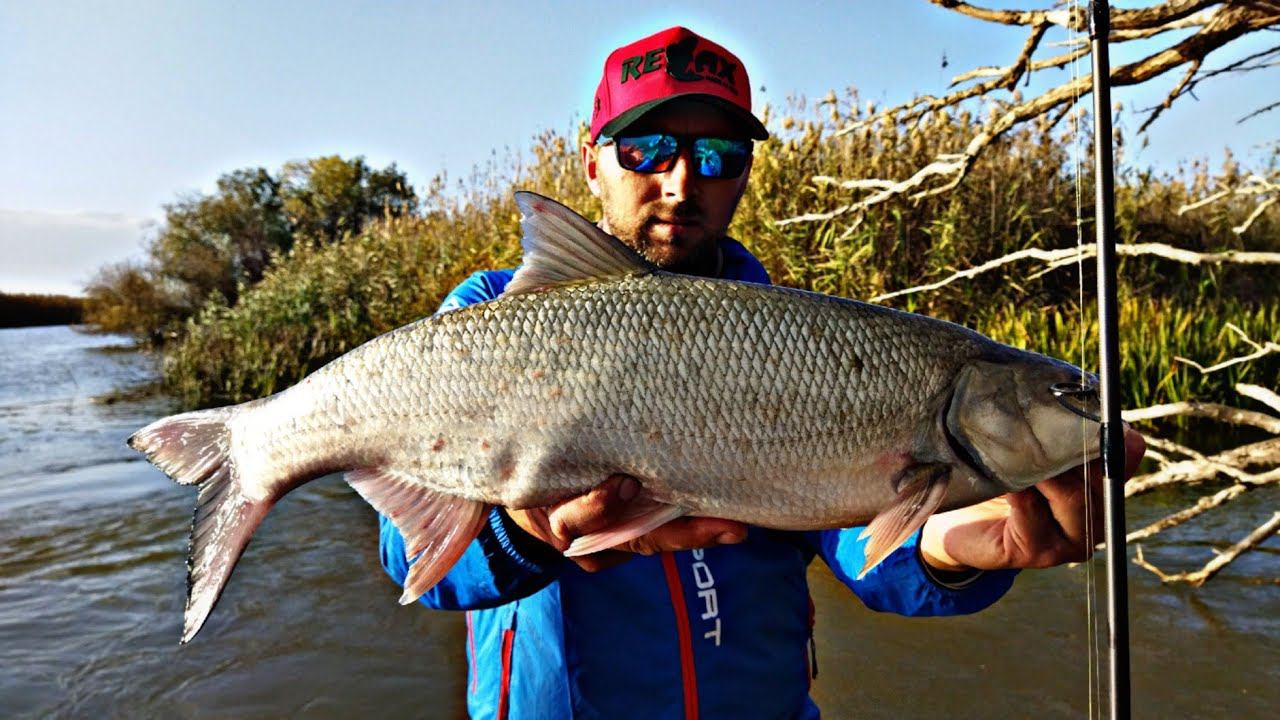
(561, 246)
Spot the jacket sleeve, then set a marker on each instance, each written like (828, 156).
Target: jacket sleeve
(901, 583)
(503, 563)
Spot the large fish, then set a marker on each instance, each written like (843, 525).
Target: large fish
(772, 406)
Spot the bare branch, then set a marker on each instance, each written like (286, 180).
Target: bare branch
(1054, 259)
(1261, 394)
(1252, 185)
(1161, 14)
(1205, 504)
(1242, 65)
(1015, 17)
(1173, 95)
(1234, 473)
(1037, 65)
(1226, 22)
(1198, 578)
(1266, 452)
(1259, 351)
(1212, 411)
(868, 184)
(1259, 111)
(1141, 33)
(1262, 206)
(1205, 201)
(1190, 80)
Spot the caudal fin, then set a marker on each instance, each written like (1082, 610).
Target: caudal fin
(193, 449)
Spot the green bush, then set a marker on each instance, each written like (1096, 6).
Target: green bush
(317, 302)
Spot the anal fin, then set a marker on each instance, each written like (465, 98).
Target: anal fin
(437, 527)
(921, 489)
(644, 518)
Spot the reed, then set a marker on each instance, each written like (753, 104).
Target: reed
(316, 303)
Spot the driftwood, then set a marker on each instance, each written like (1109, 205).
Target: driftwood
(1199, 577)
(1261, 394)
(1205, 503)
(1054, 259)
(1235, 464)
(1212, 411)
(1187, 472)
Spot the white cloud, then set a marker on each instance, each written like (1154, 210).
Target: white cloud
(58, 252)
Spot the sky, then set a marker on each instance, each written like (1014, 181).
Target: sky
(110, 110)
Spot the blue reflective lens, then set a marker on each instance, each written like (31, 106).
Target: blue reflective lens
(721, 157)
(647, 153)
(656, 153)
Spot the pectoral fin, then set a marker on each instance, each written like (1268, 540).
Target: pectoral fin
(638, 523)
(436, 527)
(921, 489)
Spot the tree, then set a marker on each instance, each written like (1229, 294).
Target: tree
(327, 197)
(220, 242)
(125, 298)
(211, 247)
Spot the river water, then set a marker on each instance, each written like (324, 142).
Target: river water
(92, 545)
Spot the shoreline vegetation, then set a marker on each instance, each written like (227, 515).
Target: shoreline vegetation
(36, 310)
(250, 289)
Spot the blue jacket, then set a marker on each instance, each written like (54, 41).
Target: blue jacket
(718, 633)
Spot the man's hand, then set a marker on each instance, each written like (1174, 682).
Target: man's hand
(1042, 526)
(559, 524)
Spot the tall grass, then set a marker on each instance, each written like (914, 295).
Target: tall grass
(1153, 332)
(318, 303)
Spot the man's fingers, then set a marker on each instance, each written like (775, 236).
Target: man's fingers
(594, 511)
(679, 534)
(1074, 501)
(1134, 448)
(605, 506)
(1038, 539)
(534, 522)
(688, 533)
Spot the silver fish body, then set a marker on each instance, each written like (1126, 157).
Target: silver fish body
(771, 406)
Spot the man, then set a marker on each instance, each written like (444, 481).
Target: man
(701, 617)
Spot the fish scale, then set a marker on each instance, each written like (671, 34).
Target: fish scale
(622, 378)
(771, 406)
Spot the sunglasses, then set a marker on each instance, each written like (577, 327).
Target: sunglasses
(721, 158)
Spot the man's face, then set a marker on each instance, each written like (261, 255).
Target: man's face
(674, 218)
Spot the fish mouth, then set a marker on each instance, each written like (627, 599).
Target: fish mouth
(961, 449)
(1078, 399)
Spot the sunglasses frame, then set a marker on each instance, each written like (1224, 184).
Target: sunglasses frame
(682, 142)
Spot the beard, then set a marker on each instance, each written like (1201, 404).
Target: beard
(694, 254)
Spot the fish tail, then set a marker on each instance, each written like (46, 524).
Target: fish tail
(194, 449)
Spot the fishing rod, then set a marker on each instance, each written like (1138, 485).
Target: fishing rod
(1113, 456)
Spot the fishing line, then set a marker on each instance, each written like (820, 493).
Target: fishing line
(1094, 651)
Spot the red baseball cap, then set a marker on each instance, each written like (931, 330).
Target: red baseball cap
(673, 63)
